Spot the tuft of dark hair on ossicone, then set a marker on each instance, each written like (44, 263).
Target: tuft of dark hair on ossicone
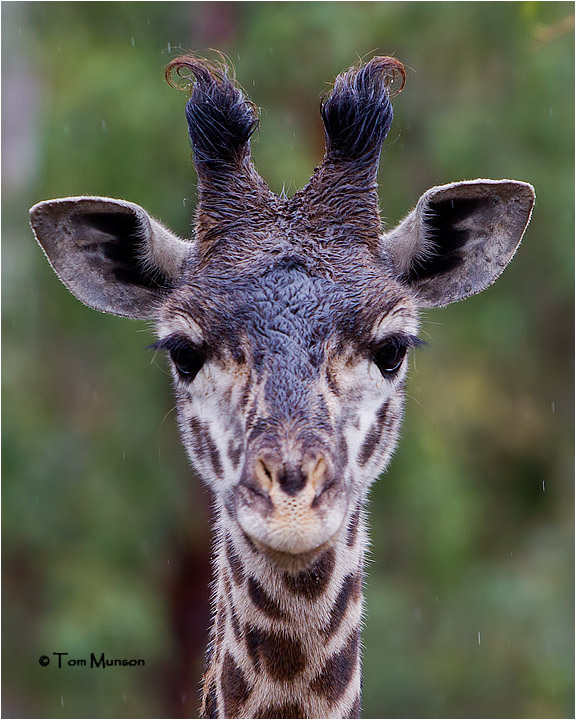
(357, 112)
(220, 119)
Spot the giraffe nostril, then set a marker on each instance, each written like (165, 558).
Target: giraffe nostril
(318, 469)
(313, 471)
(319, 473)
(264, 472)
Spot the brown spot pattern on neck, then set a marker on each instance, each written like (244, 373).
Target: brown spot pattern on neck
(235, 689)
(287, 710)
(269, 644)
(210, 709)
(235, 563)
(312, 582)
(350, 591)
(332, 682)
(263, 601)
(353, 527)
(280, 656)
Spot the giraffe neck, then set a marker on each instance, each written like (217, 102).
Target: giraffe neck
(285, 643)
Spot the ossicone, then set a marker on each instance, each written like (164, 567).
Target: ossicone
(220, 119)
(357, 112)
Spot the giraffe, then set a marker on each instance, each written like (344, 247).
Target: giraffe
(288, 322)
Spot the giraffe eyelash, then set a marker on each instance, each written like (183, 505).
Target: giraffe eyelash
(404, 340)
(174, 343)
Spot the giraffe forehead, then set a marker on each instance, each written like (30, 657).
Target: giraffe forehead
(284, 306)
(290, 314)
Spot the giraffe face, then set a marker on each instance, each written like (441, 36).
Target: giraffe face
(289, 387)
(288, 320)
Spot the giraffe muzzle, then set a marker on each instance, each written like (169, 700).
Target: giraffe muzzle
(288, 507)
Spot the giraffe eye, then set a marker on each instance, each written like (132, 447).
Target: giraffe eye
(389, 356)
(187, 356)
(188, 361)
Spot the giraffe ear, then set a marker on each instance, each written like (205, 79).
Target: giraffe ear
(459, 238)
(109, 253)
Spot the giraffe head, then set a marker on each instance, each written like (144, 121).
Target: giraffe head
(288, 320)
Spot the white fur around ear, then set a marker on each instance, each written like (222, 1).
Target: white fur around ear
(109, 253)
(459, 238)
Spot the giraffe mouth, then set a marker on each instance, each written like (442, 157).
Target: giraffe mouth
(291, 529)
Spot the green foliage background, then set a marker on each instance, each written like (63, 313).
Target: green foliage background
(105, 528)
